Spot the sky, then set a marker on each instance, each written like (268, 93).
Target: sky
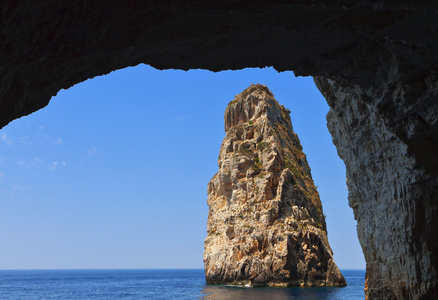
(113, 172)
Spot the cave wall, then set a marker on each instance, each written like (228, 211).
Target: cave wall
(394, 199)
(375, 62)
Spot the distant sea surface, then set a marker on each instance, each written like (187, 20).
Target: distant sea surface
(154, 284)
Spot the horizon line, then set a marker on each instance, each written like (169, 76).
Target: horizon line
(124, 269)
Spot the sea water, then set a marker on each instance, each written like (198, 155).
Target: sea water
(154, 284)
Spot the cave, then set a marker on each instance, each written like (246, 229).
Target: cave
(375, 62)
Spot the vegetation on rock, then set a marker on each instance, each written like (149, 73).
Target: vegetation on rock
(264, 202)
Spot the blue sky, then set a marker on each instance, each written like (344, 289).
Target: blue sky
(113, 172)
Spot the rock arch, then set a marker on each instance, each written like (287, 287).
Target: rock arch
(375, 62)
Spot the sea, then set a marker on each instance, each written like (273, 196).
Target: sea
(154, 284)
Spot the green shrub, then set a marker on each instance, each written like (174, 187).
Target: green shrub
(233, 101)
(262, 146)
(245, 151)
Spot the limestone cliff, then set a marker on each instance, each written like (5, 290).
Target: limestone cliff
(392, 189)
(266, 226)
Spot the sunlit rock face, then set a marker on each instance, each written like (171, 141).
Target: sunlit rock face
(377, 66)
(266, 226)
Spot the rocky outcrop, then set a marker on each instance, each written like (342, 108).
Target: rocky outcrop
(392, 187)
(376, 63)
(266, 226)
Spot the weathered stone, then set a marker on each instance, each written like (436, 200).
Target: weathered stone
(393, 197)
(381, 56)
(265, 224)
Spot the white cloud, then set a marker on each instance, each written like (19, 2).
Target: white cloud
(53, 166)
(27, 163)
(4, 137)
(57, 141)
(20, 187)
(92, 151)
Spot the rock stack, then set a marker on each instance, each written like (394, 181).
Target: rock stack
(266, 225)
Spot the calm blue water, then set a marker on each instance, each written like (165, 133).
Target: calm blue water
(153, 284)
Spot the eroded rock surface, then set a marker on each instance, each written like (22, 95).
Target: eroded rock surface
(266, 226)
(378, 60)
(392, 187)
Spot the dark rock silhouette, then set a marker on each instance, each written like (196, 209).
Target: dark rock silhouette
(374, 61)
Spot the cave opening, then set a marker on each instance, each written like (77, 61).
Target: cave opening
(113, 173)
